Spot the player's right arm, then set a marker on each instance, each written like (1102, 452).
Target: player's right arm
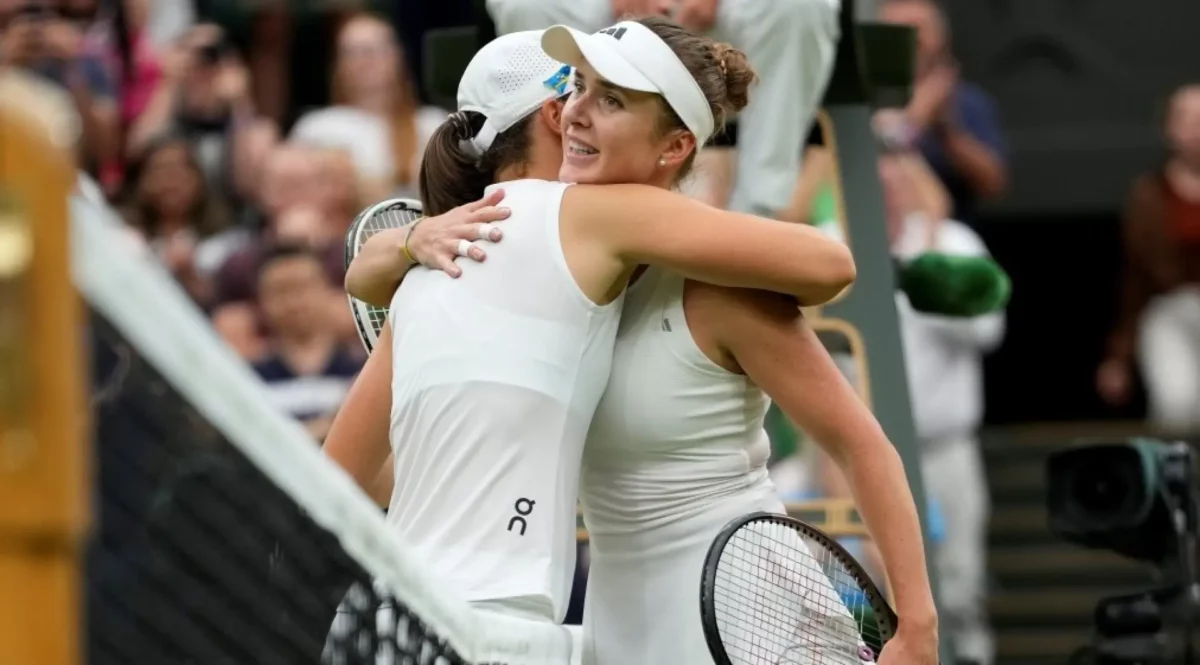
(381, 264)
(358, 439)
(612, 228)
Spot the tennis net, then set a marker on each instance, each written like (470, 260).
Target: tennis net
(224, 535)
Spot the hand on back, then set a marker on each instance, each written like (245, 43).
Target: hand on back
(435, 241)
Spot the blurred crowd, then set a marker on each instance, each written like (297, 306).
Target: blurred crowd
(239, 139)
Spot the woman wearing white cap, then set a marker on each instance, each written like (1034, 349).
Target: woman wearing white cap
(677, 447)
(494, 379)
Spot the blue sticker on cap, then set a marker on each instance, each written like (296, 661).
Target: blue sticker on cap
(558, 82)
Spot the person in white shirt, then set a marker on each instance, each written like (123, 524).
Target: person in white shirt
(677, 447)
(376, 115)
(482, 389)
(943, 357)
(790, 43)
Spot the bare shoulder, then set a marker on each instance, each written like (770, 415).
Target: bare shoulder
(589, 198)
(745, 304)
(730, 315)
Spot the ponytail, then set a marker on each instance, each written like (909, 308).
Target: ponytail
(450, 175)
(453, 175)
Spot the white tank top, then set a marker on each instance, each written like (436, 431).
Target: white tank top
(674, 430)
(676, 450)
(496, 376)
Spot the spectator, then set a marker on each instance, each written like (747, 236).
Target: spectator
(298, 196)
(944, 362)
(291, 178)
(185, 223)
(125, 48)
(341, 196)
(953, 122)
(307, 369)
(376, 114)
(1159, 311)
(205, 96)
(115, 35)
(40, 37)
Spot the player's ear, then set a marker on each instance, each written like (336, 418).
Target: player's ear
(551, 114)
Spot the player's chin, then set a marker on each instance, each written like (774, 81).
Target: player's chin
(587, 169)
(579, 174)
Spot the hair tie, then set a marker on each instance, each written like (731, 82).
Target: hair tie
(461, 125)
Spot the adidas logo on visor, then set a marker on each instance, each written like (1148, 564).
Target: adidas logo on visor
(614, 32)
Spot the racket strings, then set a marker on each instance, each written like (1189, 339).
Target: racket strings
(779, 603)
(381, 218)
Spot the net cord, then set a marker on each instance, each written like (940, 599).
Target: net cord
(145, 304)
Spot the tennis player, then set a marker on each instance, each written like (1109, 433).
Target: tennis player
(677, 447)
(494, 380)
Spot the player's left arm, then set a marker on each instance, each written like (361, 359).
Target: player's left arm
(381, 263)
(767, 336)
(358, 440)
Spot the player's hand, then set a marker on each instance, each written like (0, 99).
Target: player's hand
(434, 242)
(913, 647)
(696, 15)
(232, 82)
(932, 95)
(641, 8)
(1114, 381)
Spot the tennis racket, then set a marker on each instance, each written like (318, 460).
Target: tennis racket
(777, 591)
(388, 214)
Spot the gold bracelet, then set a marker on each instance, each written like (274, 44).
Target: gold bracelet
(408, 255)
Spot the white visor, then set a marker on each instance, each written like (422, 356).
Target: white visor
(631, 56)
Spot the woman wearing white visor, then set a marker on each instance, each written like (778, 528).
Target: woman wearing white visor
(677, 447)
(484, 387)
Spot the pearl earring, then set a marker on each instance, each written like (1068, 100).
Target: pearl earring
(662, 162)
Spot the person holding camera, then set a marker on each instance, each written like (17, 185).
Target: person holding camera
(37, 36)
(204, 96)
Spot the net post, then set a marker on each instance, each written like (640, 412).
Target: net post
(44, 466)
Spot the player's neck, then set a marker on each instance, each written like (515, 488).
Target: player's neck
(534, 170)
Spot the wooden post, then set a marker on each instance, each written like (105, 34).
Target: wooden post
(44, 462)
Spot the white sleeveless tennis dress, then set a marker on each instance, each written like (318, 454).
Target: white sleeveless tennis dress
(495, 379)
(677, 449)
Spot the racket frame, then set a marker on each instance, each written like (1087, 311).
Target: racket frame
(354, 241)
(884, 614)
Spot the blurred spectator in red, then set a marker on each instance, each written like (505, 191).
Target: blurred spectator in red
(115, 35)
(953, 122)
(40, 36)
(205, 96)
(376, 115)
(186, 224)
(307, 369)
(119, 37)
(1159, 310)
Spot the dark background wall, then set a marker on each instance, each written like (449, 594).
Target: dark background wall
(1081, 86)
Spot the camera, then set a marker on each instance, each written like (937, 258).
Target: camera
(1136, 498)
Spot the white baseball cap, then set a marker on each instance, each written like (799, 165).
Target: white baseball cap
(630, 55)
(509, 78)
